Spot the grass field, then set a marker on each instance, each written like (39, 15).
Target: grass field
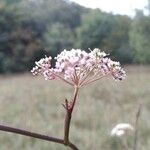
(35, 104)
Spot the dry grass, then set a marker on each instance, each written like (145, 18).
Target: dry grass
(35, 104)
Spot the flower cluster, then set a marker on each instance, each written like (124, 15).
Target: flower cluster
(77, 67)
(120, 129)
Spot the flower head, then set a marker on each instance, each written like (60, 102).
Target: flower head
(77, 67)
(120, 129)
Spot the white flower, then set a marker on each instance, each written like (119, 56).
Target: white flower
(78, 67)
(120, 129)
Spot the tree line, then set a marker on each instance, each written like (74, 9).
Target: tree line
(30, 29)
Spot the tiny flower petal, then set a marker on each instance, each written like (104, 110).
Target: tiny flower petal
(78, 67)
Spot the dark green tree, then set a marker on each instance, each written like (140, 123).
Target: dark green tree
(106, 31)
(139, 39)
(57, 38)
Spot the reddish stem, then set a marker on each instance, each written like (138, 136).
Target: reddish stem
(69, 110)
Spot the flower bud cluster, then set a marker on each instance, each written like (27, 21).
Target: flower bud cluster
(78, 67)
(43, 68)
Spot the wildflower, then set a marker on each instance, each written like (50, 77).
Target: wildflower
(120, 129)
(79, 68)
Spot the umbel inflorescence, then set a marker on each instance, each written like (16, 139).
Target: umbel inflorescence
(77, 67)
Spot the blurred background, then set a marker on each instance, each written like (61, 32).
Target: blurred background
(30, 29)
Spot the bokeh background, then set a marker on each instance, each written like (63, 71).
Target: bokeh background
(30, 29)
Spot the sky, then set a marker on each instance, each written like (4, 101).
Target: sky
(124, 7)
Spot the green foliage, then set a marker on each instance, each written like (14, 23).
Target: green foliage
(30, 29)
(57, 38)
(106, 31)
(91, 30)
(139, 38)
(24, 33)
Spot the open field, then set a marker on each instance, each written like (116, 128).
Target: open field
(35, 104)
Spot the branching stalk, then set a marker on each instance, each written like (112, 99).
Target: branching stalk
(30, 134)
(65, 141)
